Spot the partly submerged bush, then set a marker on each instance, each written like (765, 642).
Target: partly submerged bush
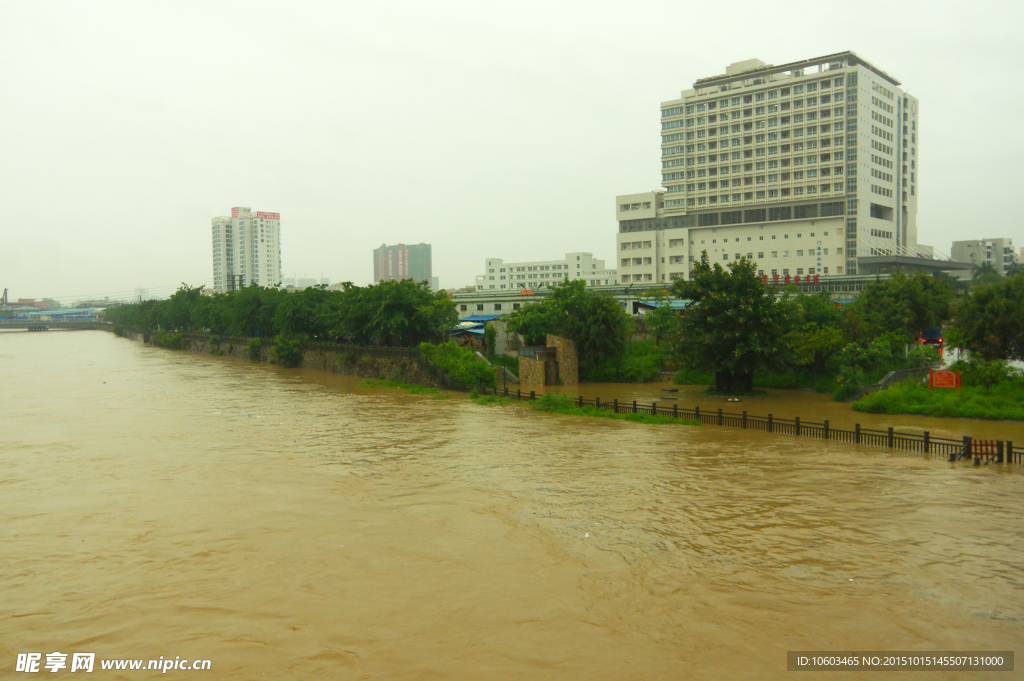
(287, 351)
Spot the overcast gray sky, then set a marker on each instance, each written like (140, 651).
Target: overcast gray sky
(485, 129)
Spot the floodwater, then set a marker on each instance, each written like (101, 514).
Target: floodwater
(808, 405)
(288, 524)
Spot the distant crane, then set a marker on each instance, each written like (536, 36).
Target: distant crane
(3, 301)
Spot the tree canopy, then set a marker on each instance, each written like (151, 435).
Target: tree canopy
(903, 304)
(736, 324)
(989, 321)
(594, 321)
(391, 313)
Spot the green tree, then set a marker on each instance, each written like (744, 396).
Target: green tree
(736, 325)
(533, 322)
(663, 320)
(989, 321)
(985, 273)
(903, 304)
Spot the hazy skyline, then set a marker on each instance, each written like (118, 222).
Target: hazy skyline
(486, 131)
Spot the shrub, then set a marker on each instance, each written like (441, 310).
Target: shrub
(166, 339)
(1003, 401)
(460, 363)
(253, 348)
(287, 351)
(214, 341)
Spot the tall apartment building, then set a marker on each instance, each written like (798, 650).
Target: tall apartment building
(499, 275)
(996, 252)
(802, 167)
(246, 249)
(402, 262)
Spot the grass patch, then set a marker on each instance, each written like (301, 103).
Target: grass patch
(413, 388)
(500, 400)
(563, 404)
(1002, 401)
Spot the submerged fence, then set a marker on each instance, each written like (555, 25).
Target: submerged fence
(998, 451)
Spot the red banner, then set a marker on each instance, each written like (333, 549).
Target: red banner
(267, 216)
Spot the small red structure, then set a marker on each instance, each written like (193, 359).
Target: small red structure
(816, 279)
(788, 278)
(944, 378)
(775, 279)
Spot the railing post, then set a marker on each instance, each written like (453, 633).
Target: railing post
(581, 400)
(826, 433)
(675, 410)
(890, 438)
(519, 394)
(533, 394)
(769, 423)
(597, 402)
(696, 414)
(999, 452)
(1009, 451)
(720, 421)
(506, 391)
(856, 433)
(634, 406)
(797, 424)
(654, 408)
(927, 442)
(744, 418)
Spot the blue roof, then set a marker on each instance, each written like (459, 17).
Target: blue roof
(480, 318)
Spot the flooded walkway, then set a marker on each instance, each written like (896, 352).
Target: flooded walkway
(289, 524)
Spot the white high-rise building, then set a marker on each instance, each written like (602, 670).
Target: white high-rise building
(499, 275)
(246, 250)
(802, 167)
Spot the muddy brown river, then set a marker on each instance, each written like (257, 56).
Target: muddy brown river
(288, 524)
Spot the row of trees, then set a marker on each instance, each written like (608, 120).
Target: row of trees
(391, 313)
(739, 325)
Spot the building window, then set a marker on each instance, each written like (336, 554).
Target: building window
(464, 307)
(497, 306)
(480, 307)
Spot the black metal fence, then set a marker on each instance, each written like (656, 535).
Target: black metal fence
(948, 448)
(937, 447)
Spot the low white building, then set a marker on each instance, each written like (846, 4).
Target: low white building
(996, 252)
(654, 248)
(500, 275)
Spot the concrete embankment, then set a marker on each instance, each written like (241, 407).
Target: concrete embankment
(355, 361)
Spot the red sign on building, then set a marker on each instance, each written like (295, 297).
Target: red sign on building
(234, 212)
(265, 216)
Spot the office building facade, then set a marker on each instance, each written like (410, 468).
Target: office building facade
(246, 249)
(802, 167)
(996, 252)
(499, 275)
(402, 261)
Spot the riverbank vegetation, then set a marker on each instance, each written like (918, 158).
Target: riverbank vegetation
(600, 328)
(389, 313)
(460, 363)
(740, 332)
(989, 390)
